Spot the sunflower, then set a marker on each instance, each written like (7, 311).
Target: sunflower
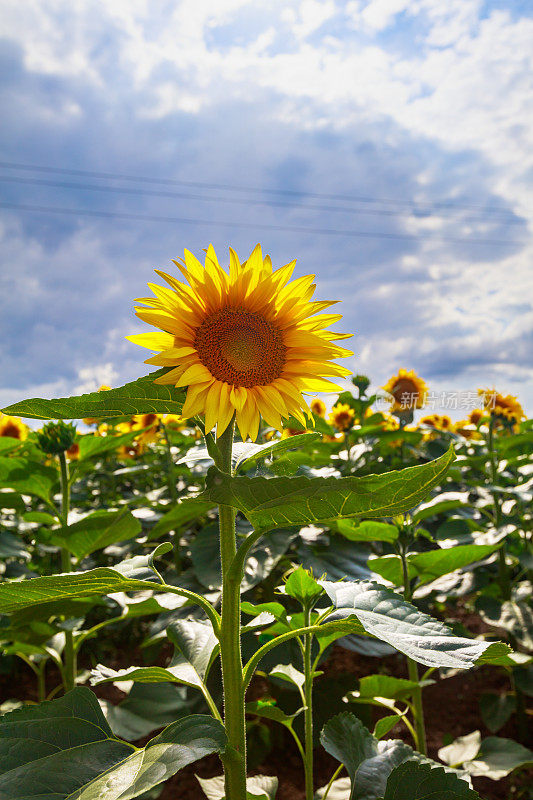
(318, 407)
(13, 427)
(407, 389)
(441, 422)
(475, 416)
(507, 407)
(245, 342)
(73, 453)
(466, 429)
(174, 421)
(148, 421)
(342, 416)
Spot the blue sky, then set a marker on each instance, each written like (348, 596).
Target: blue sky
(384, 143)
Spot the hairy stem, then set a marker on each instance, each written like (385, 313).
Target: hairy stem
(503, 572)
(66, 566)
(308, 711)
(234, 758)
(171, 482)
(412, 667)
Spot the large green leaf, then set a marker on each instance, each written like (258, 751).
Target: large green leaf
(367, 531)
(97, 530)
(195, 648)
(369, 762)
(277, 502)
(432, 564)
(494, 757)
(387, 616)
(260, 787)
(130, 575)
(345, 738)
(65, 750)
(27, 477)
(413, 780)
(142, 396)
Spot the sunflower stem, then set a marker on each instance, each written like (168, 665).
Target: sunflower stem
(503, 572)
(412, 667)
(66, 566)
(234, 758)
(308, 711)
(171, 482)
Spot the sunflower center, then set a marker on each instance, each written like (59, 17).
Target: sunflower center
(240, 347)
(404, 386)
(11, 430)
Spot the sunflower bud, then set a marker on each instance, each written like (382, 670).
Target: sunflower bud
(56, 437)
(362, 383)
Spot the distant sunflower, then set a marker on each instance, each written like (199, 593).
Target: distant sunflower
(506, 407)
(441, 422)
(318, 407)
(73, 453)
(475, 416)
(244, 342)
(407, 389)
(342, 416)
(12, 427)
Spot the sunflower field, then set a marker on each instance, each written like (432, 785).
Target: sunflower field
(214, 587)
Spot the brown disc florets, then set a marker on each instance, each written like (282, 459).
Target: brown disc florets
(241, 347)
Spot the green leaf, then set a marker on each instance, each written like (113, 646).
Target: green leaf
(276, 609)
(260, 787)
(302, 586)
(387, 616)
(413, 780)
(434, 563)
(289, 674)
(97, 530)
(27, 477)
(91, 446)
(497, 757)
(8, 443)
(431, 564)
(41, 517)
(64, 749)
(181, 514)
(246, 455)
(269, 710)
(345, 738)
(130, 575)
(464, 748)
(493, 757)
(386, 724)
(196, 646)
(142, 396)
(387, 686)
(496, 709)
(278, 502)
(447, 501)
(367, 531)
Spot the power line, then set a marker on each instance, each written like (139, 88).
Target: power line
(253, 189)
(251, 225)
(187, 195)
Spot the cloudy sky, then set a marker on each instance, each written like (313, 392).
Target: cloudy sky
(386, 144)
